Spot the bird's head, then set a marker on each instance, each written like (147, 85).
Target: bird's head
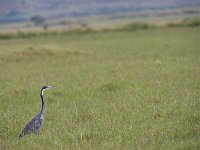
(45, 88)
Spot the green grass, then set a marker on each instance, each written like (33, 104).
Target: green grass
(114, 90)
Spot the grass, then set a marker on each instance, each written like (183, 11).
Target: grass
(132, 89)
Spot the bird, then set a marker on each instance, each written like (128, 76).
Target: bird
(33, 126)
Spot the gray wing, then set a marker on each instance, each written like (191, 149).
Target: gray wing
(33, 126)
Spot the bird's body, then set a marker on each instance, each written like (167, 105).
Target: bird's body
(34, 125)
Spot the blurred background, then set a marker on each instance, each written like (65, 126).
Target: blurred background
(67, 14)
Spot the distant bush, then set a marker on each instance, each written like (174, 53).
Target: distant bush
(19, 34)
(6, 36)
(194, 22)
(136, 26)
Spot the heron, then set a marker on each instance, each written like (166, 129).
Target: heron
(33, 126)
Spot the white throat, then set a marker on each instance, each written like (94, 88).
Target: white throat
(43, 91)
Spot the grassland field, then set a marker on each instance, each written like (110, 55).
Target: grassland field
(113, 90)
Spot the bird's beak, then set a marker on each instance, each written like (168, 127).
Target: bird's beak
(50, 87)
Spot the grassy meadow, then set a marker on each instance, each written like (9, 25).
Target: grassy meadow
(131, 89)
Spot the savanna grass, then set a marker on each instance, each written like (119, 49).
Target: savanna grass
(113, 90)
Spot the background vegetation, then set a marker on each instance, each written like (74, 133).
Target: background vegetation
(128, 89)
(189, 22)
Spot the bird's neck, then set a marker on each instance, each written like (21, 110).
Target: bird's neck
(43, 105)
